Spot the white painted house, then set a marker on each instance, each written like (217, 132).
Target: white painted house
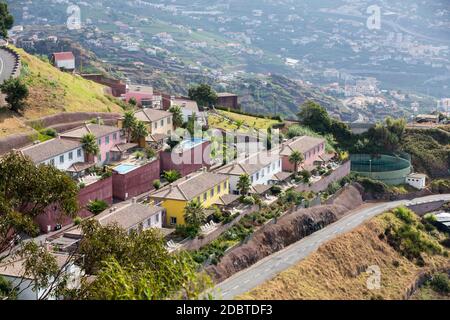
(64, 60)
(417, 180)
(60, 153)
(13, 271)
(261, 167)
(189, 108)
(133, 217)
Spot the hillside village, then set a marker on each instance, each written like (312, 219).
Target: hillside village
(192, 168)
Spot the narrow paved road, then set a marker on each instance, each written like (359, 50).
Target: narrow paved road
(7, 62)
(269, 267)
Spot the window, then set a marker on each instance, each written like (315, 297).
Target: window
(173, 221)
(107, 140)
(257, 176)
(52, 162)
(79, 153)
(115, 136)
(218, 188)
(162, 123)
(100, 158)
(100, 142)
(70, 155)
(149, 222)
(169, 120)
(107, 157)
(61, 159)
(157, 218)
(156, 125)
(205, 196)
(212, 192)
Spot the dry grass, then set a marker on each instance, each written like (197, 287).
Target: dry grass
(337, 270)
(53, 91)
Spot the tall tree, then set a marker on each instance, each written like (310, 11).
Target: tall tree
(315, 116)
(26, 191)
(129, 121)
(194, 214)
(203, 94)
(296, 158)
(177, 118)
(16, 92)
(244, 184)
(135, 266)
(90, 145)
(6, 20)
(139, 131)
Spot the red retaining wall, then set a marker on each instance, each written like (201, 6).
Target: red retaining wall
(136, 182)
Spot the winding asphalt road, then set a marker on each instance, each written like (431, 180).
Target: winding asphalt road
(7, 62)
(272, 265)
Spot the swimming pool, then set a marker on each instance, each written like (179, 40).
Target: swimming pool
(191, 143)
(125, 168)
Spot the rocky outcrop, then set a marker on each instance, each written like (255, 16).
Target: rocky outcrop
(288, 229)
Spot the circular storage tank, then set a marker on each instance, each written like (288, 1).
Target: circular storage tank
(390, 169)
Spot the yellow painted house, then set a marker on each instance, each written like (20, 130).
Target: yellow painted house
(203, 187)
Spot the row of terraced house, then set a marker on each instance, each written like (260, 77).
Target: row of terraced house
(133, 176)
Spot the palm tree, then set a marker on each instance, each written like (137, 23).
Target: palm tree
(177, 118)
(171, 175)
(129, 121)
(296, 158)
(90, 145)
(244, 184)
(194, 214)
(139, 131)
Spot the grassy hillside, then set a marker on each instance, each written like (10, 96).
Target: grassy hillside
(53, 91)
(398, 243)
(430, 150)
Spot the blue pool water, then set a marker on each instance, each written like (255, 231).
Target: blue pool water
(189, 144)
(125, 168)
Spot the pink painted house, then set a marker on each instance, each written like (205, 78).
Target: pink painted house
(313, 150)
(100, 190)
(108, 138)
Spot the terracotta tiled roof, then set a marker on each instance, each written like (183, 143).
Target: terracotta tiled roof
(189, 187)
(152, 115)
(250, 165)
(97, 130)
(60, 56)
(128, 216)
(302, 144)
(50, 149)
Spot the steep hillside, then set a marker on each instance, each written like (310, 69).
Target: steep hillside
(398, 243)
(430, 151)
(53, 91)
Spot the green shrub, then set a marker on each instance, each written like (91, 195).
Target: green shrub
(275, 190)
(157, 184)
(248, 200)
(97, 206)
(441, 186)
(404, 214)
(440, 283)
(77, 221)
